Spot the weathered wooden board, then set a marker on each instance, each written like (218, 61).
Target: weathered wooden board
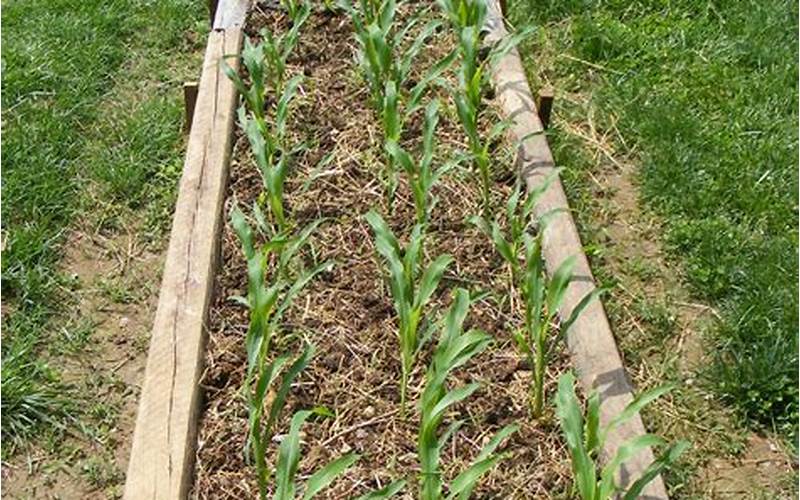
(591, 342)
(162, 453)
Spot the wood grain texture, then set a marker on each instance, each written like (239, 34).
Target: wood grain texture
(162, 452)
(593, 349)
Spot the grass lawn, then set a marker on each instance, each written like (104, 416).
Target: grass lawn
(92, 116)
(701, 97)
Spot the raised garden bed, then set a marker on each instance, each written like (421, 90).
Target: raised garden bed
(347, 312)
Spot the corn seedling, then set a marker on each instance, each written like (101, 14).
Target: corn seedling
(468, 18)
(454, 349)
(387, 66)
(421, 176)
(585, 441)
(543, 297)
(392, 128)
(511, 245)
(463, 13)
(297, 10)
(254, 95)
(381, 53)
(289, 459)
(268, 141)
(411, 287)
(266, 61)
(272, 155)
(267, 305)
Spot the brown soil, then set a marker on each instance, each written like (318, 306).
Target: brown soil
(348, 313)
(763, 467)
(105, 375)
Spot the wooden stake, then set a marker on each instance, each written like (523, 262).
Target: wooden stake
(189, 102)
(544, 105)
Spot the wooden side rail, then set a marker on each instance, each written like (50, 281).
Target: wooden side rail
(162, 453)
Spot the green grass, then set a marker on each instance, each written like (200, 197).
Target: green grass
(91, 131)
(706, 93)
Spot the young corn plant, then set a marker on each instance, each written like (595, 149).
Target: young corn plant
(254, 94)
(511, 245)
(411, 285)
(454, 349)
(543, 297)
(463, 13)
(277, 49)
(387, 66)
(297, 10)
(267, 304)
(263, 411)
(265, 61)
(381, 49)
(289, 458)
(266, 65)
(392, 128)
(421, 176)
(270, 149)
(585, 441)
(467, 18)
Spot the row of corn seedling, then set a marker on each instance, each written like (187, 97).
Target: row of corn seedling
(275, 277)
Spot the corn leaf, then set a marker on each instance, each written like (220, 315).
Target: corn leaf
(665, 460)
(633, 408)
(387, 491)
(323, 477)
(624, 453)
(569, 414)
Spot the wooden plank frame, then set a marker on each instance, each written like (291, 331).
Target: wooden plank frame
(593, 349)
(162, 453)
